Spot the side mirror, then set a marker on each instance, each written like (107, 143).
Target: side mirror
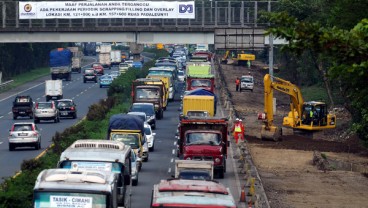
(154, 134)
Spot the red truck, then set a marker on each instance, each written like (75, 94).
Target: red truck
(201, 81)
(203, 53)
(204, 138)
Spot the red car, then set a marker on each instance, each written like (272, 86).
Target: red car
(98, 68)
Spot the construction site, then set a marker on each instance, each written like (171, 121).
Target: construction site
(326, 168)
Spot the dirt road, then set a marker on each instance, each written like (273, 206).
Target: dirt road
(286, 169)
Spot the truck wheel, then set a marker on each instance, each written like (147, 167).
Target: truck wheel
(162, 114)
(37, 120)
(69, 77)
(52, 77)
(221, 173)
(135, 182)
(11, 147)
(31, 116)
(84, 80)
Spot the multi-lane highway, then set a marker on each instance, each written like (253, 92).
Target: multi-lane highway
(161, 161)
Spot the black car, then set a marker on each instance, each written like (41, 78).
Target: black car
(22, 106)
(89, 75)
(67, 108)
(147, 108)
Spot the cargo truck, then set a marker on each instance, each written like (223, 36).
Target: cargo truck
(204, 92)
(60, 64)
(201, 138)
(174, 193)
(168, 80)
(53, 89)
(115, 56)
(199, 105)
(206, 82)
(150, 91)
(105, 60)
(76, 59)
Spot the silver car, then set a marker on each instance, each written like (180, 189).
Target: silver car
(135, 168)
(46, 111)
(24, 134)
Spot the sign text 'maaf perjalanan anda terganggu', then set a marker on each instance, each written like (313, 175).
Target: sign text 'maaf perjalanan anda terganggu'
(107, 9)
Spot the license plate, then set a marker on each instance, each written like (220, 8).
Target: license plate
(64, 113)
(54, 97)
(22, 112)
(44, 112)
(22, 134)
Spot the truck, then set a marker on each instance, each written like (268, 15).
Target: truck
(76, 188)
(115, 56)
(53, 89)
(191, 193)
(124, 55)
(204, 138)
(90, 155)
(201, 82)
(199, 105)
(105, 48)
(193, 170)
(168, 80)
(129, 129)
(76, 59)
(22, 106)
(60, 64)
(201, 91)
(147, 90)
(105, 60)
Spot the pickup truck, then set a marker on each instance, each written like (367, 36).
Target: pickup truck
(22, 106)
(201, 138)
(194, 170)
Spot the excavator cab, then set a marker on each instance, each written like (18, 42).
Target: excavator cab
(315, 116)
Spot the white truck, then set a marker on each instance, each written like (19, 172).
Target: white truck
(105, 48)
(115, 56)
(194, 169)
(105, 60)
(53, 89)
(76, 59)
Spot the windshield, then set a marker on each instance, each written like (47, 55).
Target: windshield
(123, 65)
(68, 199)
(64, 104)
(247, 79)
(160, 72)
(22, 100)
(203, 138)
(180, 73)
(197, 113)
(201, 83)
(44, 105)
(147, 94)
(194, 175)
(128, 139)
(92, 165)
(148, 109)
(22, 127)
(96, 65)
(147, 131)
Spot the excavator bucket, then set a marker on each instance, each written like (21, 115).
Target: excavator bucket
(272, 133)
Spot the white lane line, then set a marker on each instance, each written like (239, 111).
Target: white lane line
(1, 116)
(37, 98)
(169, 171)
(77, 95)
(172, 160)
(173, 151)
(174, 143)
(1, 142)
(9, 112)
(81, 93)
(43, 95)
(85, 90)
(73, 98)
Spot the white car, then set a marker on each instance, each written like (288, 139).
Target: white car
(25, 134)
(150, 136)
(129, 62)
(181, 76)
(123, 67)
(246, 83)
(114, 74)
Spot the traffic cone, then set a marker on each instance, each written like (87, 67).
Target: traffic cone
(242, 195)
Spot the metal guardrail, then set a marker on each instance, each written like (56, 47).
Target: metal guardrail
(208, 15)
(4, 84)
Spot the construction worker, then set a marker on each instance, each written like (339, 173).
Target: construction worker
(238, 130)
(311, 117)
(237, 83)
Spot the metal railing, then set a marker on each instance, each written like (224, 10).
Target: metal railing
(208, 14)
(5, 84)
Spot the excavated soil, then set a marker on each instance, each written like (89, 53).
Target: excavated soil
(286, 169)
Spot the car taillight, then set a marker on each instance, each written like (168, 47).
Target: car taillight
(15, 110)
(35, 134)
(72, 108)
(36, 106)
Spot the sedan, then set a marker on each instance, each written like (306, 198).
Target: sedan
(24, 134)
(105, 81)
(98, 68)
(67, 108)
(135, 167)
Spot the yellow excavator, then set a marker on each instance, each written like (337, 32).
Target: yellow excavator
(309, 116)
(238, 57)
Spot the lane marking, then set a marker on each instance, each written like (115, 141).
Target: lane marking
(173, 151)
(37, 98)
(1, 142)
(172, 160)
(174, 143)
(169, 171)
(1, 116)
(9, 112)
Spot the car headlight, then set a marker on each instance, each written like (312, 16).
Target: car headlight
(156, 105)
(170, 89)
(217, 160)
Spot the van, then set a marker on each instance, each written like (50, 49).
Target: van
(246, 83)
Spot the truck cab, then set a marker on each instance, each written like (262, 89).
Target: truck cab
(205, 139)
(110, 156)
(206, 82)
(75, 188)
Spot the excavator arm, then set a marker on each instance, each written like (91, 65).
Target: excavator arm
(268, 129)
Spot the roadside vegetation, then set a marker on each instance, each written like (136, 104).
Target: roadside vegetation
(18, 191)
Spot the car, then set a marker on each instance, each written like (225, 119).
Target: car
(140, 114)
(46, 111)
(135, 167)
(89, 75)
(246, 83)
(114, 74)
(67, 108)
(98, 68)
(147, 108)
(22, 106)
(105, 81)
(123, 67)
(129, 62)
(25, 134)
(150, 136)
(181, 76)
(137, 64)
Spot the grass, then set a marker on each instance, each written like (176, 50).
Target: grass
(27, 77)
(319, 93)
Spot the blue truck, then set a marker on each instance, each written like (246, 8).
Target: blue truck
(60, 64)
